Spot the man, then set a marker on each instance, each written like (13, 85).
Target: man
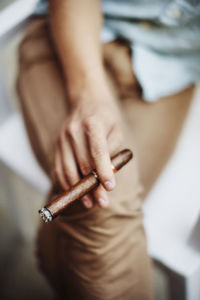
(82, 103)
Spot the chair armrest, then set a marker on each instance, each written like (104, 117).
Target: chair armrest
(14, 15)
(16, 153)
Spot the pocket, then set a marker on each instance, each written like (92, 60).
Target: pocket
(180, 12)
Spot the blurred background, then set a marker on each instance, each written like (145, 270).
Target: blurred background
(19, 199)
(23, 187)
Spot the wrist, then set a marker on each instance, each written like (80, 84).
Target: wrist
(90, 86)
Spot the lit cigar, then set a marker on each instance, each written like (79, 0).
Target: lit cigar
(83, 187)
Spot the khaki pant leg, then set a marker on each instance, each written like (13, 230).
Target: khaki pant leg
(41, 92)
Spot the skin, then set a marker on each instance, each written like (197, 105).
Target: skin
(92, 131)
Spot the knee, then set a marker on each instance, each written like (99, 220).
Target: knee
(36, 45)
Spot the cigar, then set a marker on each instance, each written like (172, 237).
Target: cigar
(83, 187)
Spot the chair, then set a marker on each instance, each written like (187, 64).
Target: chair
(172, 208)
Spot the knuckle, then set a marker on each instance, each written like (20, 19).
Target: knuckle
(85, 169)
(97, 152)
(72, 129)
(89, 122)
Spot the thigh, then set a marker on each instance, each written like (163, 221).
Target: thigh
(41, 92)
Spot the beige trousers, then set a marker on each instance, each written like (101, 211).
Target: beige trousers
(98, 253)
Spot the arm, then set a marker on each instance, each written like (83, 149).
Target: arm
(76, 29)
(90, 134)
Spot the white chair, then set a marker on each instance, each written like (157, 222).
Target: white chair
(171, 210)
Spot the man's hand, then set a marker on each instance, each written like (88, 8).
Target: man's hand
(88, 138)
(91, 133)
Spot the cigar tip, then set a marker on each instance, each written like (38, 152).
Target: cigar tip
(45, 215)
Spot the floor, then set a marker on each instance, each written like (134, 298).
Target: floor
(19, 202)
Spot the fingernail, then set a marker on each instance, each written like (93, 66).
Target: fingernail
(103, 202)
(87, 202)
(109, 185)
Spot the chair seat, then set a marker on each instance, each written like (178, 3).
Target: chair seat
(172, 207)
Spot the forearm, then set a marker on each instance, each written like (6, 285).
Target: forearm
(76, 29)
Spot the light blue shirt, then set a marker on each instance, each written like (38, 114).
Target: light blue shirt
(164, 37)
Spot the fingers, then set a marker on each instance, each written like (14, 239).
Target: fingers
(115, 140)
(83, 148)
(70, 166)
(59, 169)
(87, 201)
(101, 197)
(99, 152)
(68, 160)
(80, 148)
